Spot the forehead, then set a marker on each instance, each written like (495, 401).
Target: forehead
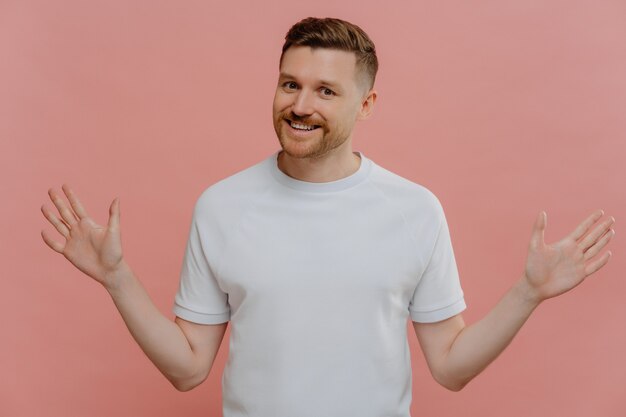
(315, 64)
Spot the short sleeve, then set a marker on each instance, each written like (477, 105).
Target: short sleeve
(438, 294)
(199, 298)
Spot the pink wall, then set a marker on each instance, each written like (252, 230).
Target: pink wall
(502, 108)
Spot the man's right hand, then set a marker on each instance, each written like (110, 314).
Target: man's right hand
(93, 249)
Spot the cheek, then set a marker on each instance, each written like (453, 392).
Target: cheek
(275, 106)
(281, 102)
(344, 118)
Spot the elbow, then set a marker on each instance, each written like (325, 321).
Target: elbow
(455, 387)
(183, 386)
(187, 384)
(451, 383)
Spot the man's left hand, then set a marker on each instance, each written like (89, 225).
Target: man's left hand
(554, 269)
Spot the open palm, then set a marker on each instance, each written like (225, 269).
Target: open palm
(93, 249)
(554, 269)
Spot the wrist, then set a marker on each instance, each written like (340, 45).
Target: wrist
(527, 292)
(115, 278)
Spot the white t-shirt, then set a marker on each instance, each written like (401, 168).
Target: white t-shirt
(318, 281)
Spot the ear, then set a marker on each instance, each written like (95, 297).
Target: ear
(367, 105)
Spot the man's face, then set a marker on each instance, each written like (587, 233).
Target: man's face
(318, 99)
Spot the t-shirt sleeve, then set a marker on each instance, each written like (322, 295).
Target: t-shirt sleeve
(438, 294)
(199, 298)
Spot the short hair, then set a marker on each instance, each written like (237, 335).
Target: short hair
(334, 33)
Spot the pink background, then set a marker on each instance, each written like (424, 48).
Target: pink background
(502, 108)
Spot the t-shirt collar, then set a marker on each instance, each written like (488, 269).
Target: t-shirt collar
(321, 187)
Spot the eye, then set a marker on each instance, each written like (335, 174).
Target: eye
(327, 92)
(290, 85)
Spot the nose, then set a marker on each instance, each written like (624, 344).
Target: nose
(303, 104)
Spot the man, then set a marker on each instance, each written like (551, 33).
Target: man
(318, 256)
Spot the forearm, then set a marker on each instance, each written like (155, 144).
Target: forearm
(162, 340)
(477, 345)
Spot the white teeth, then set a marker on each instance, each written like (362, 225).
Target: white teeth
(301, 127)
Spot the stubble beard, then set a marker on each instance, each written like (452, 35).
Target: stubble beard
(319, 148)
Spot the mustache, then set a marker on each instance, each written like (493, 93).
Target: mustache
(304, 120)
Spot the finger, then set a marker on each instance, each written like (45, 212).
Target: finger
(586, 224)
(114, 214)
(55, 246)
(595, 234)
(68, 215)
(537, 237)
(597, 264)
(54, 220)
(75, 202)
(601, 243)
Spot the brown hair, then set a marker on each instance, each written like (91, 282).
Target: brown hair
(335, 34)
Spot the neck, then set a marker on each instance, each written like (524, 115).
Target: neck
(330, 167)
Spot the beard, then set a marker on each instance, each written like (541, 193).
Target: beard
(313, 147)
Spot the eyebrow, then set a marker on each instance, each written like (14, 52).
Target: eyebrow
(331, 84)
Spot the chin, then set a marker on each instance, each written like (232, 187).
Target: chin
(297, 150)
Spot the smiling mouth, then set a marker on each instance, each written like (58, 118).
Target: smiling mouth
(301, 126)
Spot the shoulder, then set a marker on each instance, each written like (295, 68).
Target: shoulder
(233, 192)
(408, 195)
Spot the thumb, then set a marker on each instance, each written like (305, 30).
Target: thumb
(537, 237)
(114, 214)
